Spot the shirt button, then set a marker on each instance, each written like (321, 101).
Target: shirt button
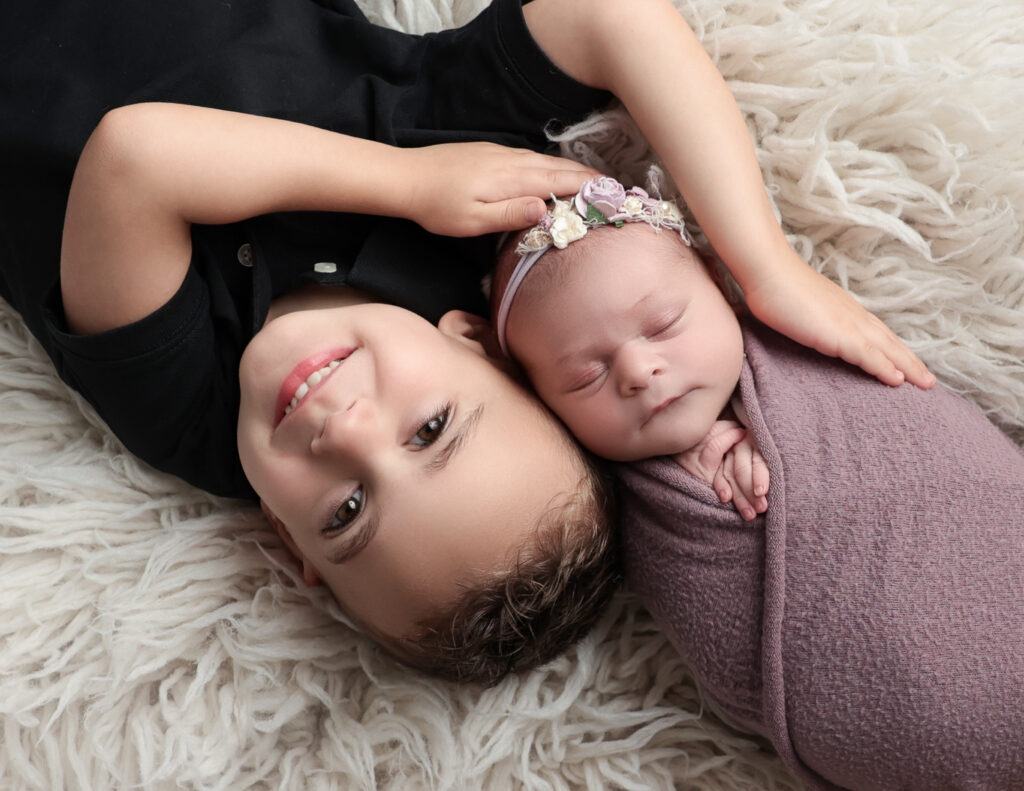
(245, 254)
(325, 268)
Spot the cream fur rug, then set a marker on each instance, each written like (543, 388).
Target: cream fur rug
(153, 637)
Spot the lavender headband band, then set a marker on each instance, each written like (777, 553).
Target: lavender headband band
(600, 201)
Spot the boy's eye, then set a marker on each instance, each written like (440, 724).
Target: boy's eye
(348, 511)
(432, 429)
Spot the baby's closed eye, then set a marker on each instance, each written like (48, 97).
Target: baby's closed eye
(579, 380)
(664, 325)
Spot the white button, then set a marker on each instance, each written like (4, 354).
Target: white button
(325, 268)
(245, 254)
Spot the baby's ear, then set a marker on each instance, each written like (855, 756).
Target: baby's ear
(309, 575)
(474, 331)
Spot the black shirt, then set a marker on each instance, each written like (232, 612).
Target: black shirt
(168, 384)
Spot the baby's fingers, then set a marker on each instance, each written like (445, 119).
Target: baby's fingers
(742, 473)
(721, 484)
(740, 499)
(761, 478)
(747, 473)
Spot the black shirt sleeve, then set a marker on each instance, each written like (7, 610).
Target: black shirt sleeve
(167, 385)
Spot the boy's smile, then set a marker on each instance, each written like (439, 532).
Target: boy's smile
(409, 469)
(308, 375)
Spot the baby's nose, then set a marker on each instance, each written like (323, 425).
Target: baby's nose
(636, 365)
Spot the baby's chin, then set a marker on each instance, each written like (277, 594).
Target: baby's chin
(637, 449)
(652, 442)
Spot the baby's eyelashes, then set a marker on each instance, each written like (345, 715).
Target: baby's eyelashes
(583, 379)
(663, 326)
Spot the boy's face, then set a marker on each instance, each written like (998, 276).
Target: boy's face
(414, 466)
(636, 348)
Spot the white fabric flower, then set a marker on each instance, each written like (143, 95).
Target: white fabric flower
(566, 225)
(633, 206)
(536, 239)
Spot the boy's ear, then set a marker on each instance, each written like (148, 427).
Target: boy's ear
(474, 331)
(309, 574)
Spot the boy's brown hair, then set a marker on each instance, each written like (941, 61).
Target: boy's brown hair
(517, 619)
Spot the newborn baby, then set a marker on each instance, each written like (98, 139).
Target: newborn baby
(870, 621)
(627, 337)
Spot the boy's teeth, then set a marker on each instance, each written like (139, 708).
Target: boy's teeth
(312, 381)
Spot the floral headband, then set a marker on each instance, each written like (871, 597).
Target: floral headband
(600, 201)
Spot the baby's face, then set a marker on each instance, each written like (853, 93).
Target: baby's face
(635, 347)
(410, 468)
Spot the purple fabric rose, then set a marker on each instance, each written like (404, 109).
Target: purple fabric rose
(603, 193)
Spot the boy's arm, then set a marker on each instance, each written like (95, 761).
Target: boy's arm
(151, 170)
(645, 53)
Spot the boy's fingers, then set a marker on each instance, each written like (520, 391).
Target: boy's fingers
(554, 162)
(891, 360)
(871, 359)
(915, 371)
(558, 181)
(509, 215)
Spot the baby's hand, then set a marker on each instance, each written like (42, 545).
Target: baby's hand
(809, 308)
(469, 189)
(728, 458)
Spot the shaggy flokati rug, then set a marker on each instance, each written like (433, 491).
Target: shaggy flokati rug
(154, 637)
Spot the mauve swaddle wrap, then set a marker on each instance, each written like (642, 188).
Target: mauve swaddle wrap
(871, 623)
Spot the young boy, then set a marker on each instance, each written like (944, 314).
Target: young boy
(454, 518)
(871, 621)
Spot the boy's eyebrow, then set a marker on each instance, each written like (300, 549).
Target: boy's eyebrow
(458, 441)
(363, 537)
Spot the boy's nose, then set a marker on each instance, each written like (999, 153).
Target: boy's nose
(636, 364)
(350, 433)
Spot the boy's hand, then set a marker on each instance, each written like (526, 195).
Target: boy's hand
(809, 308)
(469, 189)
(728, 458)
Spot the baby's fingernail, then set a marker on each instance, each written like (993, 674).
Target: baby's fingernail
(759, 490)
(748, 514)
(533, 213)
